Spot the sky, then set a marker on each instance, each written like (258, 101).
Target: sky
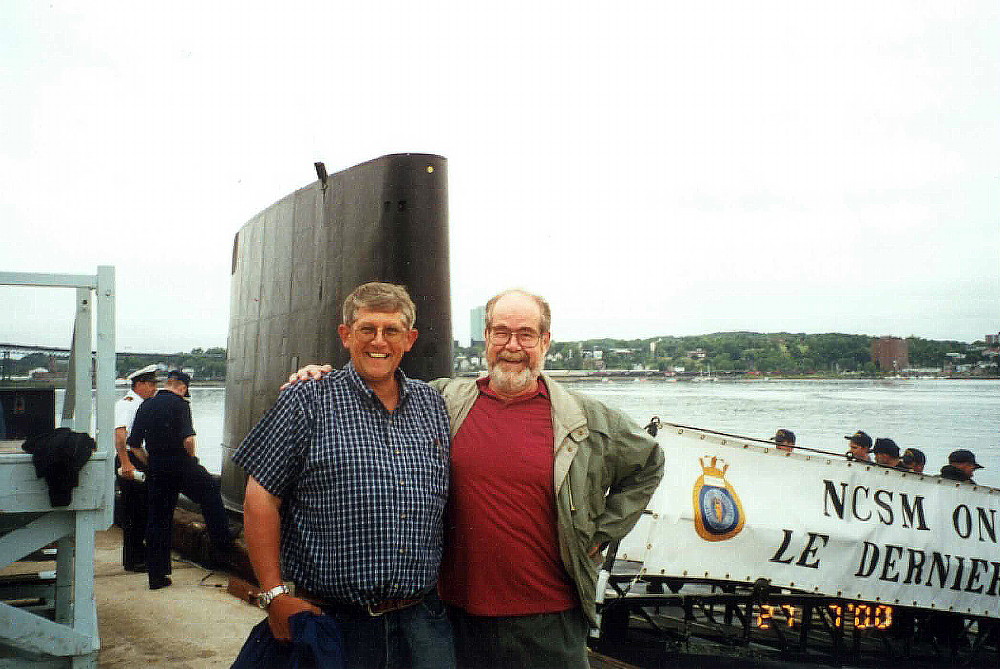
(652, 168)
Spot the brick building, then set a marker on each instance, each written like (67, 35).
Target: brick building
(890, 354)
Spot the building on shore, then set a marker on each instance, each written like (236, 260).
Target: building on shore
(890, 354)
(477, 326)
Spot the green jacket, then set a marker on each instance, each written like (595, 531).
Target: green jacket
(606, 469)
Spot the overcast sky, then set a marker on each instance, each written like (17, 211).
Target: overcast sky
(654, 168)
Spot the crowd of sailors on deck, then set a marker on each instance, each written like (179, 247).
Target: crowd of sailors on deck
(961, 463)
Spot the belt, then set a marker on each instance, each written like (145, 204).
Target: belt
(373, 610)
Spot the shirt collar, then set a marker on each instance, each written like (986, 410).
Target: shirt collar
(161, 391)
(484, 389)
(405, 384)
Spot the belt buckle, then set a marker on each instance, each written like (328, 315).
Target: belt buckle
(389, 605)
(373, 610)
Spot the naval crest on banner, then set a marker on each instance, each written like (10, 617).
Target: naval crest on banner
(718, 512)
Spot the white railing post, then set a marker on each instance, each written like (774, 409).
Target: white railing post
(105, 293)
(82, 384)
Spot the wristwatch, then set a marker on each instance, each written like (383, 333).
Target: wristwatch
(264, 599)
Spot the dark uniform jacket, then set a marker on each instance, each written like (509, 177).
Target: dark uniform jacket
(163, 422)
(955, 474)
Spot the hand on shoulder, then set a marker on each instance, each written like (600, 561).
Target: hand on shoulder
(307, 373)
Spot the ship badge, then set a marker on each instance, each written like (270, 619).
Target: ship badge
(718, 512)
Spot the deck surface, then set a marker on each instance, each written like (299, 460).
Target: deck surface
(11, 446)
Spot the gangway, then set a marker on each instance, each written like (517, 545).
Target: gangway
(59, 629)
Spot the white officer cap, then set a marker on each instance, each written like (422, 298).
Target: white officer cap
(148, 369)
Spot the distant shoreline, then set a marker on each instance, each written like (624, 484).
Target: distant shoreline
(583, 375)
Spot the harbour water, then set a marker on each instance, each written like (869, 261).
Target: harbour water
(935, 415)
(208, 412)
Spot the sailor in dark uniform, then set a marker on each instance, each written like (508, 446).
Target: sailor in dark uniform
(961, 466)
(130, 465)
(784, 440)
(164, 424)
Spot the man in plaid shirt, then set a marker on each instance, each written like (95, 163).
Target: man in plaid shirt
(348, 479)
(542, 480)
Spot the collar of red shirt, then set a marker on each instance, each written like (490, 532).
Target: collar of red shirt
(484, 389)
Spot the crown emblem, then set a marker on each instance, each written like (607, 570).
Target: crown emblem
(718, 512)
(712, 468)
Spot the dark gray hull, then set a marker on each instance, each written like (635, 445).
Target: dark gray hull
(296, 261)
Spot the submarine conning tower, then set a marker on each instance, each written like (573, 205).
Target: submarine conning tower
(295, 262)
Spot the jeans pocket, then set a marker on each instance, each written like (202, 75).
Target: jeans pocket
(433, 605)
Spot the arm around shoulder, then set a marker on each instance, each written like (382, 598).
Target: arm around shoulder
(440, 384)
(308, 373)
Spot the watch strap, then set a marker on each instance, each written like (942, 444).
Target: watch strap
(264, 599)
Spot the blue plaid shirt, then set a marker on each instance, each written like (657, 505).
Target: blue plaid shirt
(363, 489)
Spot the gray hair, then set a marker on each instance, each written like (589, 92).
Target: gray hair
(545, 322)
(387, 298)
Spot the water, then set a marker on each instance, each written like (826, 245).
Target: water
(937, 416)
(208, 407)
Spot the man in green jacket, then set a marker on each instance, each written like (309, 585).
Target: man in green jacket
(542, 479)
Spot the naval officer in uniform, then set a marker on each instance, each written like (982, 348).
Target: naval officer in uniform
(130, 461)
(163, 423)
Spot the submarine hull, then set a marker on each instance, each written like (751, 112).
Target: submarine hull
(295, 262)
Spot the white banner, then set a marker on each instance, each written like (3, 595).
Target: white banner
(737, 510)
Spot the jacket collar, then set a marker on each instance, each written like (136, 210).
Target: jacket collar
(567, 414)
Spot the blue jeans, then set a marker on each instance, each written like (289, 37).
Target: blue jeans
(419, 637)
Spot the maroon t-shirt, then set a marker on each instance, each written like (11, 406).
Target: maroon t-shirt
(501, 555)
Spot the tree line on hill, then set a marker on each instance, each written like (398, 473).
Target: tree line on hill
(781, 353)
(205, 364)
(784, 353)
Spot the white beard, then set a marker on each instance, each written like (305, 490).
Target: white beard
(512, 383)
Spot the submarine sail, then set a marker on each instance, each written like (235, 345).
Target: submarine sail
(295, 262)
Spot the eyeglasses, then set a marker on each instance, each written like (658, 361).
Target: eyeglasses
(392, 334)
(525, 338)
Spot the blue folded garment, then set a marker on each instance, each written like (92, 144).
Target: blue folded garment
(316, 643)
